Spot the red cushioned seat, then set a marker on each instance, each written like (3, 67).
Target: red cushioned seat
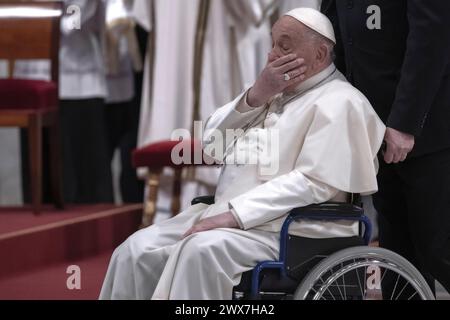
(159, 154)
(28, 94)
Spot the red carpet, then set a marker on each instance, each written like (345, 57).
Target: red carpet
(35, 251)
(15, 219)
(50, 283)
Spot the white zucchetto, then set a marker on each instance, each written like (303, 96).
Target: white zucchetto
(314, 20)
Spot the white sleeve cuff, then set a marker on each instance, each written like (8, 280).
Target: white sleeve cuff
(236, 216)
(243, 106)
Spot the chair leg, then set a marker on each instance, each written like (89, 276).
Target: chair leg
(35, 158)
(56, 164)
(150, 205)
(176, 193)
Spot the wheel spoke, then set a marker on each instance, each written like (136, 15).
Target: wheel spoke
(406, 284)
(331, 293)
(384, 274)
(343, 282)
(395, 287)
(365, 282)
(359, 282)
(340, 292)
(412, 295)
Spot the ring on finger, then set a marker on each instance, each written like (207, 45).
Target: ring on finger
(287, 77)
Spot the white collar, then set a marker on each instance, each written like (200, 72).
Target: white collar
(312, 81)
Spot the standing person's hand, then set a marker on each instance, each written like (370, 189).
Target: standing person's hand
(398, 145)
(279, 74)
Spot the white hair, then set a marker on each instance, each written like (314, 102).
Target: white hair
(319, 39)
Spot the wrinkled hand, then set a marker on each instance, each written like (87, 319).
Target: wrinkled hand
(224, 220)
(398, 145)
(272, 80)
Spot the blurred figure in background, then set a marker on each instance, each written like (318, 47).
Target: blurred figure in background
(86, 167)
(87, 171)
(126, 45)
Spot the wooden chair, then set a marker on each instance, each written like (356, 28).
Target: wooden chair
(157, 156)
(31, 30)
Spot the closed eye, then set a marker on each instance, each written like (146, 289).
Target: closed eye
(285, 47)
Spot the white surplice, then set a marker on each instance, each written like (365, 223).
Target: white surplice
(120, 73)
(330, 139)
(142, 13)
(82, 71)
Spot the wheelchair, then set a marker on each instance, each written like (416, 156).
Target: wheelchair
(333, 268)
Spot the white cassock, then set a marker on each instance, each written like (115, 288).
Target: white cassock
(330, 139)
(238, 35)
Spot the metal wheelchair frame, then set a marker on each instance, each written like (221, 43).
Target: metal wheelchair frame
(332, 211)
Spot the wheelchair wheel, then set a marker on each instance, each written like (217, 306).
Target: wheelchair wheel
(364, 273)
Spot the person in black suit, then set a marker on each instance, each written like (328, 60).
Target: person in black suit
(397, 52)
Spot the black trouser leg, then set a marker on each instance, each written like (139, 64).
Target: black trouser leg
(393, 220)
(414, 206)
(86, 166)
(122, 122)
(428, 197)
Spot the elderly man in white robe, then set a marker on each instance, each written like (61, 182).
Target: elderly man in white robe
(329, 137)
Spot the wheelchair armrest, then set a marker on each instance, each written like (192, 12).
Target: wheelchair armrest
(328, 210)
(325, 211)
(209, 200)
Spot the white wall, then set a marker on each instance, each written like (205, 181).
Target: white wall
(10, 181)
(10, 176)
